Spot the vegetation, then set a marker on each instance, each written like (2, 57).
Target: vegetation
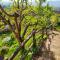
(24, 28)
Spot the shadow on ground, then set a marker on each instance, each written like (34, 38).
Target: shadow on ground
(44, 52)
(44, 55)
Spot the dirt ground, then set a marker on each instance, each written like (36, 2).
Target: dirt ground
(55, 45)
(53, 51)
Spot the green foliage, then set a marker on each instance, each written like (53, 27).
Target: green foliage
(29, 56)
(38, 15)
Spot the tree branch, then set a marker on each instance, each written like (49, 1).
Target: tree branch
(26, 27)
(21, 46)
(25, 41)
(5, 12)
(15, 53)
(3, 19)
(24, 55)
(29, 24)
(18, 4)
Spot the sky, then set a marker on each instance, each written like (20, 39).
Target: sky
(47, 0)
(55, 3)
(5, 2)
(53, 0)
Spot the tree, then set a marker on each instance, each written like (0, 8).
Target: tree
(21, 19)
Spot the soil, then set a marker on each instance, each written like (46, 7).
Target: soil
(52, 51)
